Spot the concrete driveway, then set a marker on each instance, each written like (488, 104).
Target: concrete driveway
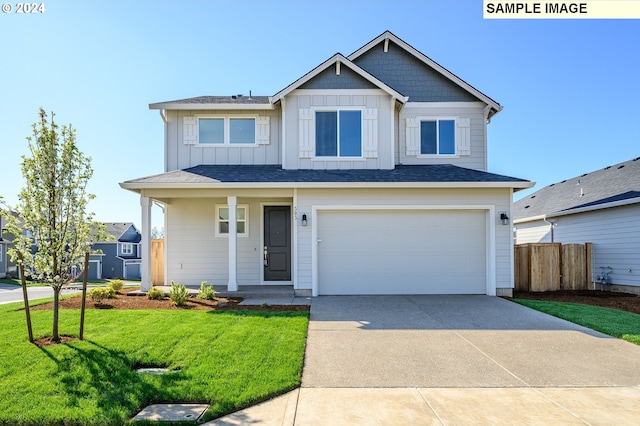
(444, 360)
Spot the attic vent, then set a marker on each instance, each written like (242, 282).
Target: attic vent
(526, 207)
(620, 167)
(584, 175)
(563, 181)
(636, 159)
(607, 168)
(533, 196)
(552, 184)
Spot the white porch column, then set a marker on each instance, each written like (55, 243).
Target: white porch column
(145, 265)
(232, 202)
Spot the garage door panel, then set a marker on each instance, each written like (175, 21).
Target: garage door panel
(402, 252)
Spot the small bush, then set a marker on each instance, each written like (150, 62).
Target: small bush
(206, 291)
(100, 293)
(116, 285)
(155, 293)
(178, 294)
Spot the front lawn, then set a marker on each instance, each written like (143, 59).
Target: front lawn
(229, 359)
(624, 325)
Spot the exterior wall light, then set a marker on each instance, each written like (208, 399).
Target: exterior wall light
(304, 219)
(504, 218)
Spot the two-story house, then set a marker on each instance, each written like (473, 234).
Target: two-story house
(367, 175)
(118, 257)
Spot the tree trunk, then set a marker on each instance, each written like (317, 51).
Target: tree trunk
(56, 305)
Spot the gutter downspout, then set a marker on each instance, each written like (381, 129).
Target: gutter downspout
(163, 115)
(551, 224)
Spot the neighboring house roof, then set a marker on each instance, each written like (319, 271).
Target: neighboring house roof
(619, 183)
(388, 35)
(273, 175)
(118, 229)
(336, 60)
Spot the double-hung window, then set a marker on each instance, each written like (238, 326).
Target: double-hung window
(222, 220)
(127, 249)
(438, 137)
(226, 130)
(339, 133)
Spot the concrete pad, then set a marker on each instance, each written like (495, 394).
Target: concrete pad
(363, 407)
(280, 411)
(496, 406)
(403, 358)
(172, 412)
(560, 358)
(599, 406)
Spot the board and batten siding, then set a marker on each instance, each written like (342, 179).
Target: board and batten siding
(470, 111)
(300, 132)
(499, 198)
(179, 155)
(196, 254)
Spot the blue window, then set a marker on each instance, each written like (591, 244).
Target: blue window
(438, 137)
(338, 133)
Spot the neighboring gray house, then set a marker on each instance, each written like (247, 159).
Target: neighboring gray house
(600, 207)
(367, 175)
(120, 257)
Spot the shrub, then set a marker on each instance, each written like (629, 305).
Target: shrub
(155, 293)
(178, 294)
(206, 291)
(100, 293)
(116, 285)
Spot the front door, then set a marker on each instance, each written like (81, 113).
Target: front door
(277, 243)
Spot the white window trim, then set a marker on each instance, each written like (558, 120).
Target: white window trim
(455, 136)
(227, 133)
(337, 109)
(122, 250)
(246, 220)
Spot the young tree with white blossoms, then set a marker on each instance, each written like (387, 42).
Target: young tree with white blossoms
(53, 208)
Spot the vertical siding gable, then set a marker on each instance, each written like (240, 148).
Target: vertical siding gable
(347, 79)
(408, 75)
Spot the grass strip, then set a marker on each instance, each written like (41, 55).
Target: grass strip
(616, 323)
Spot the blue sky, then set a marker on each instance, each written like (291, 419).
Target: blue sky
(569, 88)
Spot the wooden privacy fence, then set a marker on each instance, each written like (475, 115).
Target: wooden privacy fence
(157, 262)
(552, 266)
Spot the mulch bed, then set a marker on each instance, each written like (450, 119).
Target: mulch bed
(122, 301)
(606, 299)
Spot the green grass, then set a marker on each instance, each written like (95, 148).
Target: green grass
(228, 359)
(620, 324)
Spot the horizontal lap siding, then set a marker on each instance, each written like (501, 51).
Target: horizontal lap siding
(615, 234)
(191, 241)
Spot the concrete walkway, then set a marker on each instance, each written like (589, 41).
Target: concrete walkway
(453, 360)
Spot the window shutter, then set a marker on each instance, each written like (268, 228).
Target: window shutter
(413, 136)
(370, 133)
(463, 136)
(190, 132)
(263, 130)
(305, 140)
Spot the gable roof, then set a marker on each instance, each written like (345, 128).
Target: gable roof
(619, 183)
(118, 229)
(337, 60)
(224, 176)
(389, 36)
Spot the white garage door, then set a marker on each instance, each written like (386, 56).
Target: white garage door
(402, 252)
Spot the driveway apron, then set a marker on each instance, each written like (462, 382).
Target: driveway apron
(456, 342)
